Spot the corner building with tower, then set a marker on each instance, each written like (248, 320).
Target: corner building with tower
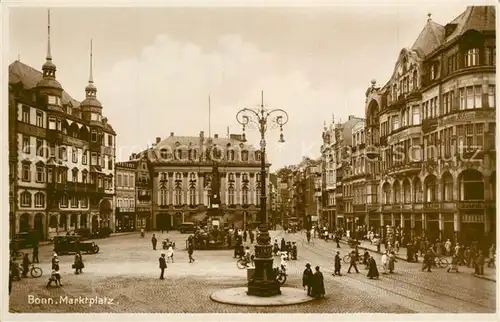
(430, 134)
(61, 154)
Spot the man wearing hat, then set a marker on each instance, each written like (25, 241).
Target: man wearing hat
(307, 278)
(163, 265)
(54, 259)
(337, 264)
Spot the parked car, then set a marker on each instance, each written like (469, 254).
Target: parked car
(24, 240)
(71, 244)
(187, 227)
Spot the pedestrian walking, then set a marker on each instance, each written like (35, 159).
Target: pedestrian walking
(190, 252)
(479, 263)
(251, 235)
(372, 269)
(338, 264)
(385, 262)
(439, 248)
(276, 248)
(318, 285)
(283, 245)
(307, 279)
(154, 241)
(26, 265)
(396, 246)
(294, 251)
(308, 235)
(35, 253)
(392, 261)
(163, 265)
(337, 240)
(56, 274)
(447, 247)
(78, 263)
(353, 261)
(170, 253)
(453, 267)
(428, 261)
(245, 235)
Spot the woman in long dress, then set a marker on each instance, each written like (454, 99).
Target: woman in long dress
(372, 269)
(385, 262)
(318, 285)
(392, 260)
(170, 253)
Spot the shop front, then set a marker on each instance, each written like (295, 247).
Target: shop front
(472, 227)
(125, 219)
(448, 227)
(143, 218)
(432, 226)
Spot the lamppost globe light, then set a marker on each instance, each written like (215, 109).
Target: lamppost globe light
(264, 282)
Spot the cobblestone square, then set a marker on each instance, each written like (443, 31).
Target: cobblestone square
(126, 272)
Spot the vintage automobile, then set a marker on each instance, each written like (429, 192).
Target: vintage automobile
(187, 227)
(23, 240)
(72, 244)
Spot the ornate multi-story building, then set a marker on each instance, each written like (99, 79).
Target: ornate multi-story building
(125, 201)
(61, 154)
(134, 194)
(433, 127)
(181, 168)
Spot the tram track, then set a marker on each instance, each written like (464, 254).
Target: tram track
(411, 295)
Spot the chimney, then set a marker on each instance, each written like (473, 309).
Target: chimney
(171, 133)
(158, 139)
(132, 157)
(216, 136)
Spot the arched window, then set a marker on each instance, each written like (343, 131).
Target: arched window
(417, 191)
(471, 185)
(163, 197)
(447, 193)
(178, 196)
(386, 189)
(230, 195)
(257, 155)
(39, 200)
(244, 196)
(407, 191)
(431, 190)
(192, 196)
(244, 155)
(25, 199)
(397, 193)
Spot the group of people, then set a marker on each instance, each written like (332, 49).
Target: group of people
(287, 249)
(313, 282)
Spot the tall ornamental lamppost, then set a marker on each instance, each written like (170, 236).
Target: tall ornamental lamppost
(263, 282)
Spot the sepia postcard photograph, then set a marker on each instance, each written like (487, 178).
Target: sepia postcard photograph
(308, 159)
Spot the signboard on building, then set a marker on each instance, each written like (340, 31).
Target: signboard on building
(314, 218)
(123, 209)
(143, 209)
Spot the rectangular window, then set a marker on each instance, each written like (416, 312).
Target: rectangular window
(395, 123)
(84, 157)
(39, 147)
(26, 144)
(74, 155)
(416, 115)
(94, 136)
(125, 180)
(470, 97)
(63, 202)
(83, 202)
(110, 140)
(110, 163)
(26, 114)
(478, 97)
(479, 135)
(461, 95)
(39, 119)
(93, 160)
(491, 96)
(99, 182)
(74, 202)
(119, 180)
(52, 123)
(40, 173)
(472, 57)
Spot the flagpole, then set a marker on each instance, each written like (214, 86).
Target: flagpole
(209, 118)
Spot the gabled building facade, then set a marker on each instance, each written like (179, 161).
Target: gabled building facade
(431, 129)
(61, 154)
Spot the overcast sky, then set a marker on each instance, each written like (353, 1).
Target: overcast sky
(154, 68)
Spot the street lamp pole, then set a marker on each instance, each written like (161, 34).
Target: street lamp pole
(264, 282)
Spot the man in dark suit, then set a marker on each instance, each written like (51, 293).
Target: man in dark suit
(190, 252)
(154, 241)
(35, 253)
(163, 265)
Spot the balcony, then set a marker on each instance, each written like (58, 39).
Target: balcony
(54, 136)
(432, 206)
(466, 205)
(407, 207)
(386, 207)
(396, 207)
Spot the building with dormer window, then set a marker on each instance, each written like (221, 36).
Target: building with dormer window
(431, 129)
(61, 154)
